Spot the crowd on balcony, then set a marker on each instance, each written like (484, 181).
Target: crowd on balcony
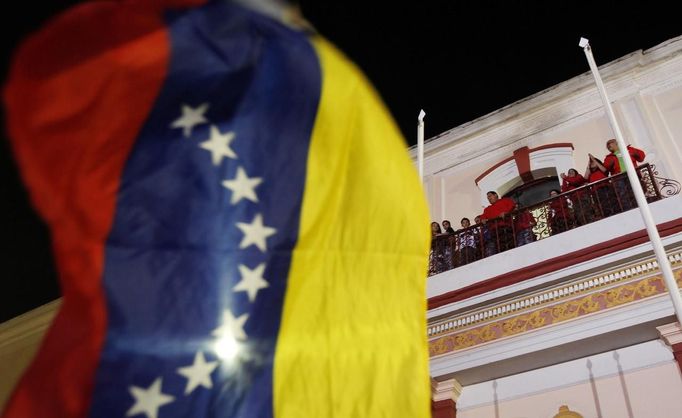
(602, 191)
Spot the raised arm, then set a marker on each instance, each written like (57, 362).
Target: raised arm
(600, 166)
(636, 153)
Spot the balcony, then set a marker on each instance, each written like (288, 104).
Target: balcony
(565, 212)
(557, 254)
(592, 284)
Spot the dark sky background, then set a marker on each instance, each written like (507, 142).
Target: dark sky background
(458, 60)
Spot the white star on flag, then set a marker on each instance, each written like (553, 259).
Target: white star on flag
(255, 233)
(252, 281)
(199, 373)
(218, 144)
(231, 326)
(242, 186)
(148, 401)
(190, 118)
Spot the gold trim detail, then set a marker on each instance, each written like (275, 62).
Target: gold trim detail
(551, 315)
(548, 297)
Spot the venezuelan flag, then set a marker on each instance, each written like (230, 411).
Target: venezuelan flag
(238, 229)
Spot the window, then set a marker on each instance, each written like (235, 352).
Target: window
(535, 191)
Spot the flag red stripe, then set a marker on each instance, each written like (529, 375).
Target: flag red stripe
(71, 149)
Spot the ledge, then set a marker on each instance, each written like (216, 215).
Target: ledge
(574, 247)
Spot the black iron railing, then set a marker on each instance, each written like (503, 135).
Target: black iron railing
(553, 216)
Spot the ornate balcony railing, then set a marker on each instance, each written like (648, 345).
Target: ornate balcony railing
(578, 207)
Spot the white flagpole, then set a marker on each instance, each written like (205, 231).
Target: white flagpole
(420, 144)
(661, 256)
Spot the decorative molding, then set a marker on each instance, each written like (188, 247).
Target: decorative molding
(558, 158)
(545, 338)
(551, 315)
(493, 168)
(671, 333)
(547, 296)
(666, 78)
(445, 390)
(522, 165)
(530, 150)
(502, 175)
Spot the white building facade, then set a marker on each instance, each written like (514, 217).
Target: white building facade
(578, 323)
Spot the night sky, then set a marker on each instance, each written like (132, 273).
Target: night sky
(457, 60)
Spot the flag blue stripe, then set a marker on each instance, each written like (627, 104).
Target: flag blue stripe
(172, 257)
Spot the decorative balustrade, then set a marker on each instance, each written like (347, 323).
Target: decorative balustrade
(578, 207)
(545, 297)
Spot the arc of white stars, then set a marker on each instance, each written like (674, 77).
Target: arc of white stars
(190, 118)
(252, 281)
(255, 233)
(242, 186)
(199, 373)
(218, 144)
(148, 401)
(232, 326)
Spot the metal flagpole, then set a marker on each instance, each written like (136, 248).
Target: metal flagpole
(420, 144)
(661, 256)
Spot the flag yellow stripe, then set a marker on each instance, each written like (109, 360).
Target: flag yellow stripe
(352, 341)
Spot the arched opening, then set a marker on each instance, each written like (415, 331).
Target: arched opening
(535, 191)
(526, 173)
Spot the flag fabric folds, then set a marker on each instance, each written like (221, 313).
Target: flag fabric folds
(238, 229)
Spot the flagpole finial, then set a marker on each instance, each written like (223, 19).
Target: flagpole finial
(584, 43)
(421, 115)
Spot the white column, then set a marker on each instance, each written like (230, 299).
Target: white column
(445, 393)
(671, 334)
(444, 390)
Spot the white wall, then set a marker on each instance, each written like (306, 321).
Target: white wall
(641, 381)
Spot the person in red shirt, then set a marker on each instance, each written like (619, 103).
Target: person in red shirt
(572, 180)
(595, 170)
(602, 192)
(501, 232)
(615, 164)
(484, 244)
(614, 160)
(524, 223)
(559, 214)
(582, 201)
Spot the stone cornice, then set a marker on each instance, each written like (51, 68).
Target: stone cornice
(498, 133)
(549, 296)
(550, 307)
(449, 389)
(580, 328)
(671, 333)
